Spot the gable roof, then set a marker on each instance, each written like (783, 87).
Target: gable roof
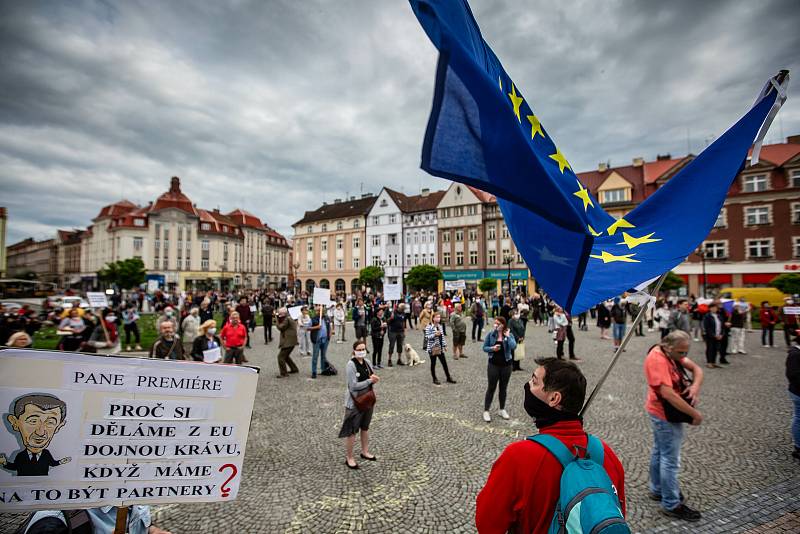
(339, 210)
(115, 209)
(483, 196)
(777, 154)
(218, 224)
(245, 218)
(653, 170)
(415, 203)
(632, 173)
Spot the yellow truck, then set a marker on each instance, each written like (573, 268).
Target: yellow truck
(754, 295)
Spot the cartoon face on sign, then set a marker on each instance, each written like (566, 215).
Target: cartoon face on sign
(37, 418)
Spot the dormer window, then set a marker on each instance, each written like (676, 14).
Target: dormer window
(205, 226)
(138, 222)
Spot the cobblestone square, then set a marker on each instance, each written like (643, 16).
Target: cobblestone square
(434, 450)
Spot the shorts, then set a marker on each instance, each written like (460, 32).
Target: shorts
(459, 338)
(619, 331)
(354, 421)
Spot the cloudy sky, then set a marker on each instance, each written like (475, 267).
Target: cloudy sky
(275, 106)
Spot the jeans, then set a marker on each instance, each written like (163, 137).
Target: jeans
(234, 353)
(768, 331)
(132, 328)
(796, 420)
(619, 331)
(320, 349)
(477, 324)
(495, 374)
(442, 359)
(696, 330)
(267, 331)
(666, 461)
(712, 348)
(377, 349)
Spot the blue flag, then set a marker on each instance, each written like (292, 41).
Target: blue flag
(482, 132)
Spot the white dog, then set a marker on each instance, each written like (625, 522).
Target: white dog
(412, 358)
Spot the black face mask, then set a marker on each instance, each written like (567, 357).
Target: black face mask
(543, 414)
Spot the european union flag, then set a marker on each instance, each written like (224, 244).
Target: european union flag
(482, 132)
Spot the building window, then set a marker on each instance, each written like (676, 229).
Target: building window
(309, 230)
(376, 220)
(204, 244)
(137, 243)
(757, 215)
(424, 236)
(519, 258)
(722, 219)
(795, 212)
(796, 247)
(392, 218)
(614, 195)
(310, 245)
(356, 263)
(204, 264)
(716, 250)
(459, 258)
(506, 254)
(795, 180)
(459, 235)
(138, 222)
(187, 265)
(416, 259)
(356, 224)
(492, 257)
(324, 264)
(376, 261)
(165, 264)
(759, 248)
(339, 225)
(356, 242)
(408, 259)
(504, 231)
(339, 243)
(392, 239)
(340, 264)
(754, 184)
(445, 258)
(472, 210)
(473, 257)
(433, 236)
(445, 237)
(473, 234)
(491, 232)
(376, 241)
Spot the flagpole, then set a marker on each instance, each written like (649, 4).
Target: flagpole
(628, 335)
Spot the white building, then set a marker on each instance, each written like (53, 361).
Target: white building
(401, 232)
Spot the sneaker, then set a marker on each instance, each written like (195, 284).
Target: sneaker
(128, 348)
(765, 346)
(138, 347)
(657, 497)
(695, 339)
(487, 417)
(464, 356)
(684, 513)
(503, 414)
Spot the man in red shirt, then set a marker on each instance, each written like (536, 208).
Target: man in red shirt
(233, 336)
(665, 384)
(524, 484)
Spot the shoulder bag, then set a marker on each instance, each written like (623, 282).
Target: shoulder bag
(673, 414)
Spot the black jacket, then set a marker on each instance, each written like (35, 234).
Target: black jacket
(200, 344)
(315, 322)
(25, 467)
(793, 369)
(709, 327)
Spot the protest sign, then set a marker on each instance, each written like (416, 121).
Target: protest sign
(392, 292)
(322, 296)
(152, 286)
(294, 312)
(791, 310)
(452, 285)
(119, 431)
(97, 299)
(212, 355)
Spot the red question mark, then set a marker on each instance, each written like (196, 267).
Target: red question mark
(224, 490)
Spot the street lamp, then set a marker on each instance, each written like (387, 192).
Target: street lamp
(507, 260)
(296, 266)
(701, 251)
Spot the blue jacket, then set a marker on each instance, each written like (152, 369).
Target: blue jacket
(509, 344)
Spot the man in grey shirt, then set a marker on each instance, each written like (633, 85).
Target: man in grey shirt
(679, 319)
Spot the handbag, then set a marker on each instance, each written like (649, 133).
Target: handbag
(673, 414)
(367, 400)
(519, 352)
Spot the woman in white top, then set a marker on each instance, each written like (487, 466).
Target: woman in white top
(338, 321)
(560, 330)
(661, 316)
(191, 329)
(303, 334)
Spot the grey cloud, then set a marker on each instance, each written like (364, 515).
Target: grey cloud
(277, 106)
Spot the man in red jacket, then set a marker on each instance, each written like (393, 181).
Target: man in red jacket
(523, 486)
(234, 336)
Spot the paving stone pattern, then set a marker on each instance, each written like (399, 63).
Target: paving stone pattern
(434, 450)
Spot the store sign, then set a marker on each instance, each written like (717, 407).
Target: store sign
(516, 274)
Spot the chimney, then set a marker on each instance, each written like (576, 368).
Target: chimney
(425, 192)
(337, 201)
(638, 162)
(366, 195)
(663, 157)
(793, 139)
(353, 197)
(175, 185)
(324, 203)
(602, 167)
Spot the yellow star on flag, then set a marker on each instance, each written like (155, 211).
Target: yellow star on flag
(593, 231)
(536, 126)
(634, 242)
(516, 101)
(583, 194)
(619, 223)
(561, 160)
(607, 257)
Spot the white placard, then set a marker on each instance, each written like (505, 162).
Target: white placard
(322, 295)
(212, 355)
(452, 285)
(97, 299)
(294, 312)
(791, 310)
(122, 431)
(392, 292)
(253, 308)
(152, 286)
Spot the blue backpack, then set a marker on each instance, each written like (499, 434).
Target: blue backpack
(588, 503)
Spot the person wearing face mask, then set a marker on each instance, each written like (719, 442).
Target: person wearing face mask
(207, 340)
(436, 343)
(517, 327)
(604, 318)
(789, 321)
(105, 336)
(167, 316)
(499, 345)
(523, 487)
(234, 337)
(168, 345)
(671, 403)
(360, 380)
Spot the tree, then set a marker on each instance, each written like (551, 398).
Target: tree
(371, 276)
(788, 283)
(487, 284)
(423, 277)
(126, 274)
(672, 281)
